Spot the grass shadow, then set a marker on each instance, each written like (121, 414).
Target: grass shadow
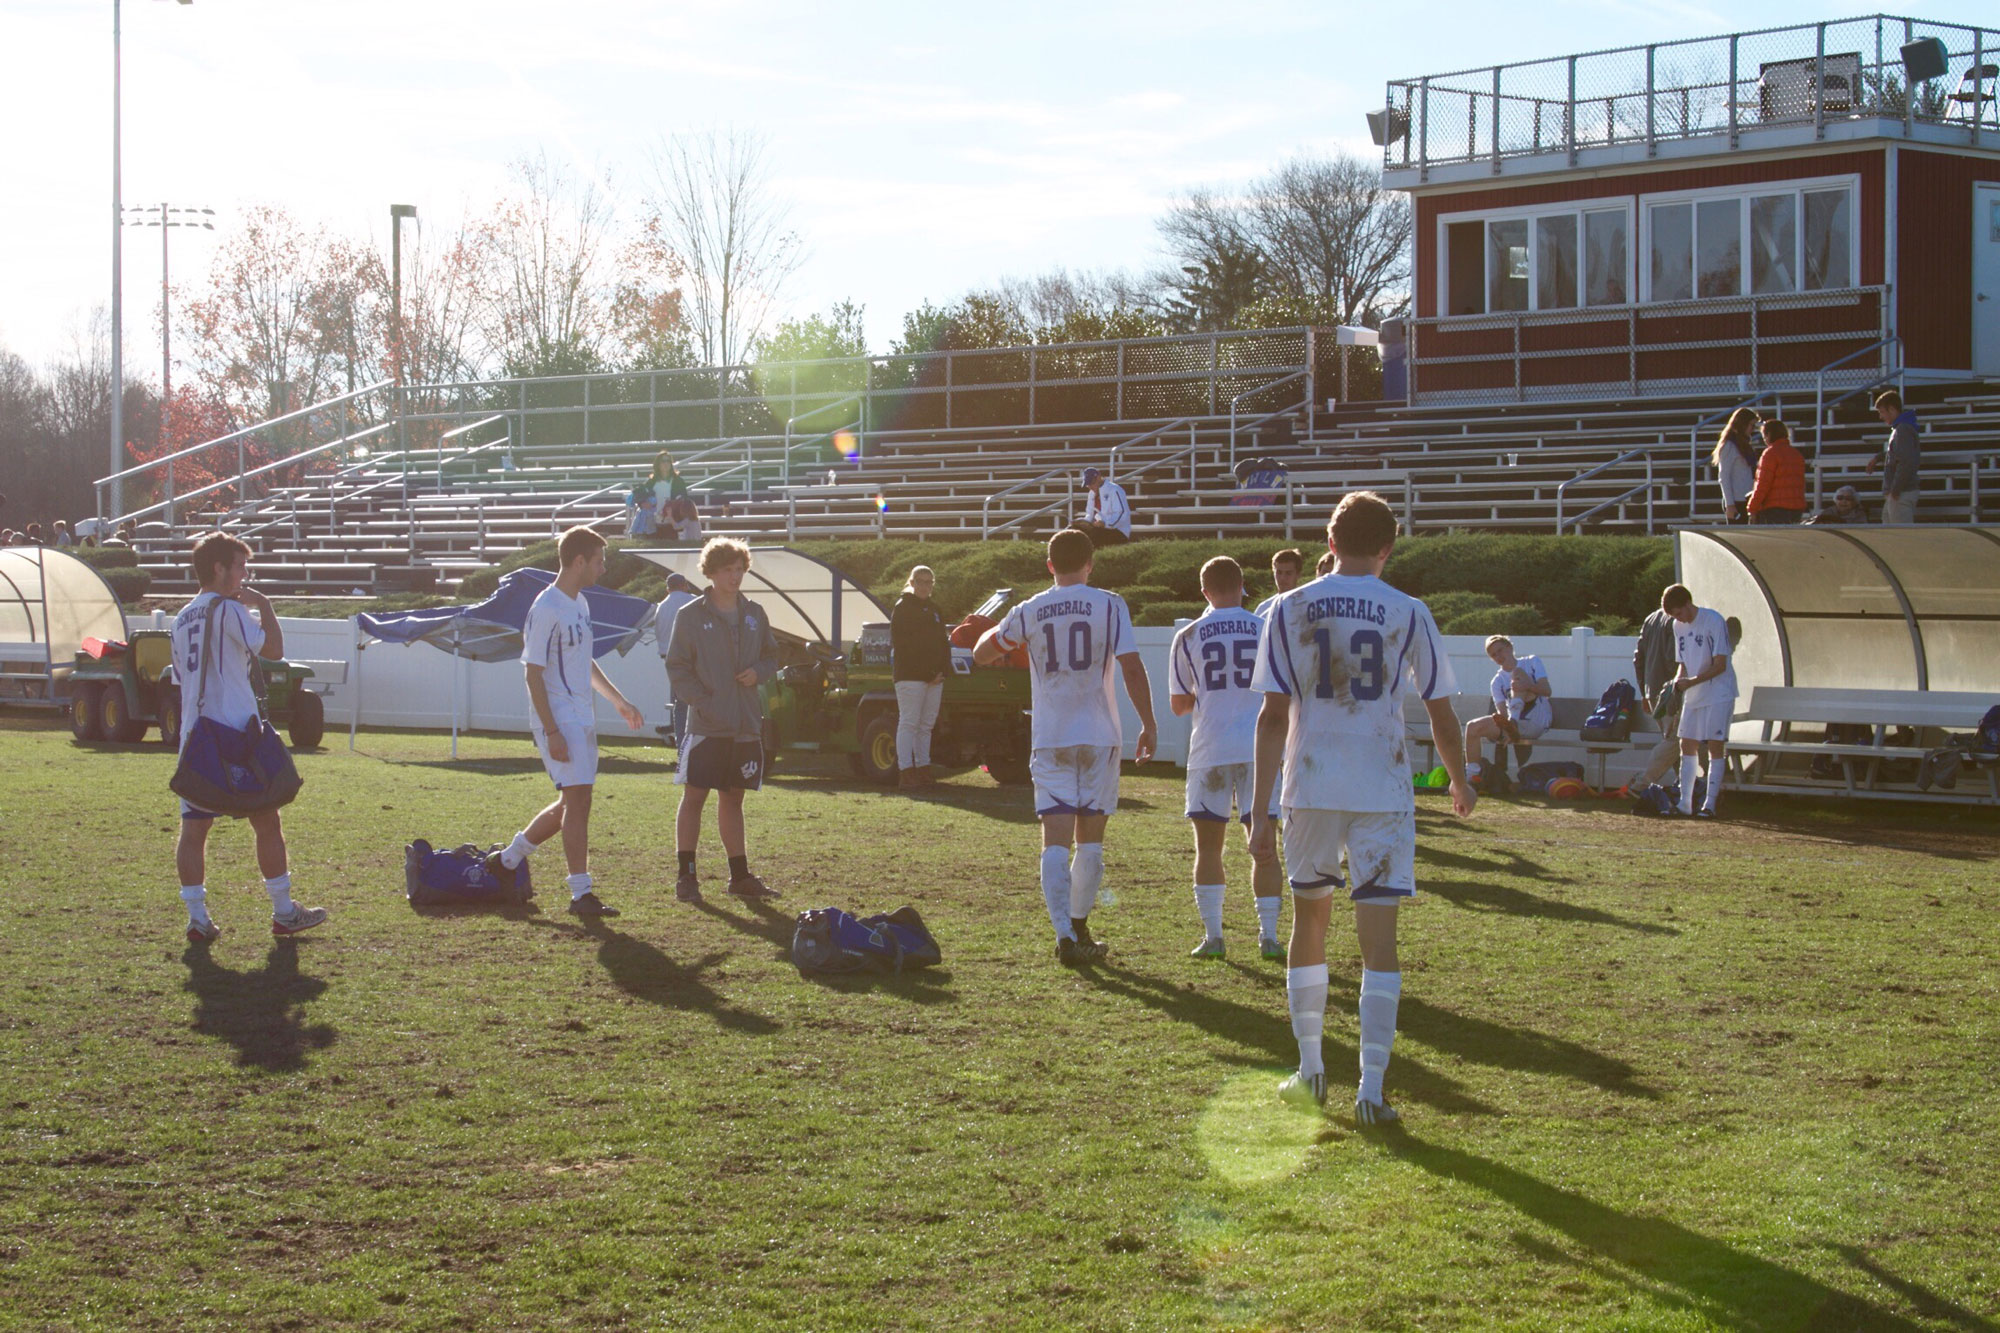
(1497, 863)
(1727, 1286)
(763, 921)
(257, 1011)
(1927, 1302)
(1477, 896)
(516, 765)
(645, 973)
(1268, 1032)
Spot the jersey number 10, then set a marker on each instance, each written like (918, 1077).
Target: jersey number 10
(1079, 647)
(1364, 655)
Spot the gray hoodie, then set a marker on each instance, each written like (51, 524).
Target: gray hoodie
(707, 650)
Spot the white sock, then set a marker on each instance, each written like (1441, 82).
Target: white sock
(578, 885)
(280, 889)
(1689, 764)
(1305, 989)
(516, 851)
(1085, 874)
(1714, 789)
(1267, 916)
(1379, 993)
(196, 898)
(1056, 891)
(1208, 901)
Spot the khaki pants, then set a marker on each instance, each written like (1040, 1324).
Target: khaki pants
(1900, 508)
(1666, 756)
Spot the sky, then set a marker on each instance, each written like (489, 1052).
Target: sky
(925, 149)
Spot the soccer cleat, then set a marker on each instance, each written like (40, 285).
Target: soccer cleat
(1305, 1091)
(1368, 1113)
(1271, 949)
(203, 932)
(1210, 947)
(300, 919)
(588, 905)
(1089, 949)
(1066, 951)
(687, 887)
(1704, 813)
(752, 889)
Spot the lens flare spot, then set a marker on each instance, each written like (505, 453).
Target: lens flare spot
(881, 504)
(1248, 1137)
(847, 444)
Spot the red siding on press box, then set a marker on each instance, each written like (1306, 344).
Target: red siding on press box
(1934, 255)
(1866, 164)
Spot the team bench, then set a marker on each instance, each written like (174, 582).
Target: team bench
(1780, 758)
(1564, 733)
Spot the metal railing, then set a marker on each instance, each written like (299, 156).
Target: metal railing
(1241, 398)
(555, 515)
(1740, 358)
(1817, 75)
(987, 527)
(1644, 451)
(858, 426)
(1891, 365)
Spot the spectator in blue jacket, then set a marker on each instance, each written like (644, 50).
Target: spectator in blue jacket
(1898, 459)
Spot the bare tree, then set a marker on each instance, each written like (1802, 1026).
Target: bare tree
(549, 313)
(261, 323)
(712, 205)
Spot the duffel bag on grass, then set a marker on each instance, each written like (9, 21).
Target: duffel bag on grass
(1537, 777)
(434, 878)
(827, 940)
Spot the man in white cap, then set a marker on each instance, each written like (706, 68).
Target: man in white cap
(1107, 514)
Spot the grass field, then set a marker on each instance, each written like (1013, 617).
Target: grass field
(1655, 1076)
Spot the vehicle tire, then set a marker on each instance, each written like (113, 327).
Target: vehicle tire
(1009, 772)
(170, 716)
(115, 720)
(84, 722)
(308, 719)
(878, 747)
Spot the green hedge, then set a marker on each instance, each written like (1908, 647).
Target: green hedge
(1475, 583)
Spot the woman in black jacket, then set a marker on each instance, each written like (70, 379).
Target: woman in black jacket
(921, 654)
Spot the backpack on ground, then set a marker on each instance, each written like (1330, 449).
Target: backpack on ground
(828, 941)
(1537, 777)
(1664, 799)
(459, 876)
(1612, 719)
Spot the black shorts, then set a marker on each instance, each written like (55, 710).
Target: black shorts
(720, 763)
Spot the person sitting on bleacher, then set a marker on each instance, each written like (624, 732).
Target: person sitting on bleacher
(1521, 707)
(650, 498)
(1846, 508)
(1107, 514)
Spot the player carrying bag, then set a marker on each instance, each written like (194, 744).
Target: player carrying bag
(232, 771)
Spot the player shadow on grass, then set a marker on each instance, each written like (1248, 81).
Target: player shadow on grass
(645, 973)
(257, 1011)
(1719, 1283)
(500, 767)
(1269, 1033)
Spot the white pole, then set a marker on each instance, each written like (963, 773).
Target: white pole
(457, 665)
(117, 282)
(354, 716)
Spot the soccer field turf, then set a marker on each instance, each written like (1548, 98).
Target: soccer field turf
(1655, 1075)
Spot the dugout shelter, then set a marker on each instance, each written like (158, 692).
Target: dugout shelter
(50, 602)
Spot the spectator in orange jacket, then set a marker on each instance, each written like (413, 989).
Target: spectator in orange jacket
(1780, 493)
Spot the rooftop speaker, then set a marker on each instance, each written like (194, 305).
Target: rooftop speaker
(1924, 59)
(1388, 125)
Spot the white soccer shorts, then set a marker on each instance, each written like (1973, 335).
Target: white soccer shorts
(1381, 849)
(580, 769)
(1706, 722)
(1213, 791)
(1075, 779)
(1533, 723)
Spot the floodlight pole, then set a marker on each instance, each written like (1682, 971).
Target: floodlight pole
(397, 212)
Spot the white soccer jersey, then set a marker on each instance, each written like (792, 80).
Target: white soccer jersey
(663, 620)
(556, 637)
(1214, 659)
(1343, 647)
(1695, 646)
(225, 691)
(1074, 636)
(1502, 688)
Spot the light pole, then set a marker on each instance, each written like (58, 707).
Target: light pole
(117, 269)
(144, 217)
(397, 212)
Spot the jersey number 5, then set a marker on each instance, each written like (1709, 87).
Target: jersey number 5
(1364, 656)
(1215, 664)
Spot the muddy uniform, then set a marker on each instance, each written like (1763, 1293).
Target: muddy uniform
(1074, 637)
(1343, 649)
(1214, 659)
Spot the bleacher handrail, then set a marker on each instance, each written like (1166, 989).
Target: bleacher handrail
(857, 425)
(1893, 344)
(1238, 400)
(986, 525)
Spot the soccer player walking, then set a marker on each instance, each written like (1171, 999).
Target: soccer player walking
(216, 642)
(1287, 568)
(721, 649)
(1212, 662)
(1335, 658)
(1074, 634)
(558, 659)
(1706, 683)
